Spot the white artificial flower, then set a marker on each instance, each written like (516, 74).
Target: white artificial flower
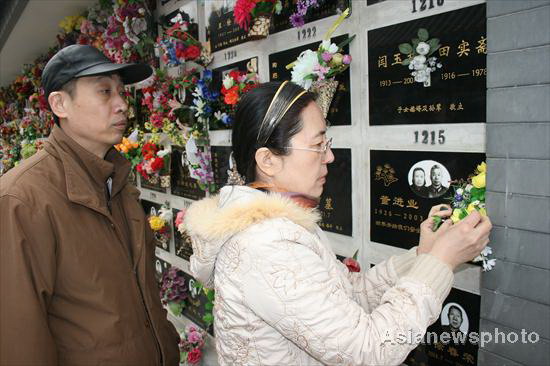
(487, 251)
(459, 191)
(165, 214)
(126, 45)
(423, 48)
(228, 81)
(133, 136)
(198, 106)
(330, 47)
(139, 25)
(218, 115)
(141, 11)
(303, 67)
(489, 264)
(469, 187)
(163, 153)
(177, 18)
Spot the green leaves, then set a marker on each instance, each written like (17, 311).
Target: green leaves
(406, 62)
(176, 308)
(423, 34)
(434, 45)
(405, 48)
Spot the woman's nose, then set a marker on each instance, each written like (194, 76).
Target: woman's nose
(329, 156)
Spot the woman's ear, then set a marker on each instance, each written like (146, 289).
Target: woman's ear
(267, 162)
(57, 102)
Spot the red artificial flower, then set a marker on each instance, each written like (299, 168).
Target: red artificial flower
(236, 74)
(192, 52)
(157, 164)
(194, 356)
(352, 264)
(149, 150)
(249, 87)
(142, 171)
(231, 98)
(242, 11)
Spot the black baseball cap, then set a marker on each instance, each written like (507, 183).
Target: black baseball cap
(82, 60)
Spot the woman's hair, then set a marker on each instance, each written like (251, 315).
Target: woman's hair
(249, 135)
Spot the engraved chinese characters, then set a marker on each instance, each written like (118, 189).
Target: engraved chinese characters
(457, 42)
(406, 184)
(335, 204)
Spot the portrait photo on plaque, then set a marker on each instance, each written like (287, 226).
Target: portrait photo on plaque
(182, 241)
(324, 9)
(220, 164)
(161, 266)
(404, 185)
(454, 338)
(221, 30)
(340, 109)
(335, 204)
(182, 184)
(429, 70)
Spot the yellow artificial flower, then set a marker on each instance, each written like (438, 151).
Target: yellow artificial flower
(482, 211)
(456, 215)
(482, 168)
(479, 180)
(471, 207)
(156, 223)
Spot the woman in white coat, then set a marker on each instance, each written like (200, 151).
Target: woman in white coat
(282, 297)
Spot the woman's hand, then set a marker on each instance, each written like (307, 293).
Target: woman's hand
(427, 235)
(463, 241)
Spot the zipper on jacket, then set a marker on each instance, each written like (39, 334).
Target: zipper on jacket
(136, 281)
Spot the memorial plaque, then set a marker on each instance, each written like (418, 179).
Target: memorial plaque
(335, 204)
(220, 164)
(181, 182)
(406, 184)
(162, 238)
(221, 30)
(372, 2)
(195, 303)
(454, 338)
(184, 248)
(187, 13)
(248, 65)
(161, 267)
(457, 91)
(281, 22)
(340, 109)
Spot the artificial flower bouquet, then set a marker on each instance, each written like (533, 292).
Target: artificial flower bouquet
(254, 16)
(316, 70)
(192, 340)
(469, 196)
(420, 60)
(179, 46)
(174, 290)
(155, 165)
(235, 85)
(159, 222)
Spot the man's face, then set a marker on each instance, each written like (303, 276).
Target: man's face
(436, 177)
(96, 113)
(455, 318)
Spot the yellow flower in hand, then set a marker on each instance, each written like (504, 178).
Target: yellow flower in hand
(471, 207)
(156, 223)
(456, 215)
(482, 211)
(479, 180)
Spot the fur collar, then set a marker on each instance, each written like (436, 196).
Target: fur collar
(247, 207)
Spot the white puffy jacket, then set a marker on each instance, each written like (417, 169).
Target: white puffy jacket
(282, 297)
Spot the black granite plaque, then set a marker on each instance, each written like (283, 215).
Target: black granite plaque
(152, 186)
(372, 2)
(193, 26)
(181, 182)
(194, 308)
(162, 237)
(220, 164)
(281, 22)
(458, 89)
(335, 204)
(454, 338)
(340, 108)
(221, 30)
(184, 248)
(406, 184)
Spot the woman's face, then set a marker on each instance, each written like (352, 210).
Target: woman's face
(455, 318)
(305, 171)
(418, 178)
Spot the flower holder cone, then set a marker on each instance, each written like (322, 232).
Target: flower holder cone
(325, 90)
(259, 28)
(165, 181)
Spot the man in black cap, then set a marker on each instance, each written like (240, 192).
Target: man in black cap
(77, 274)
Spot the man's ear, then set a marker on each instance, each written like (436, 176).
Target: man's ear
(58, 103)
(267, 162)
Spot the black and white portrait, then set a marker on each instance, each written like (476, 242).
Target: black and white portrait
(429, 179)
(454, 319)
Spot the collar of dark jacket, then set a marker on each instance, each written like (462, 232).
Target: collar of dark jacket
(85, 173)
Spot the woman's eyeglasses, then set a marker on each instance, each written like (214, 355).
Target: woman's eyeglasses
(322, 150)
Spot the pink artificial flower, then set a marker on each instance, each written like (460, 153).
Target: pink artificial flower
(321, 71)
(327, 56)
(347, 59)
(194, 337)
(179, 217)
